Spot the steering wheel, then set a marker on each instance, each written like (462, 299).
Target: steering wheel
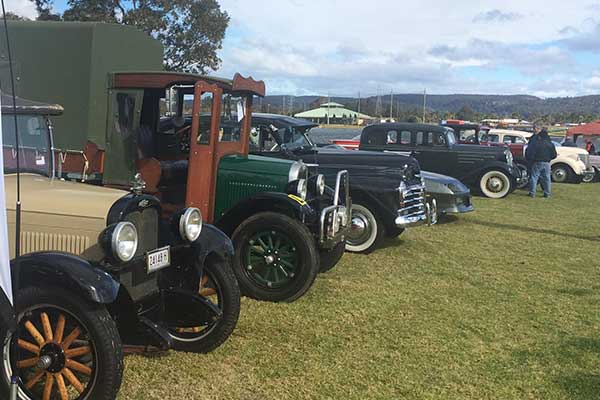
(183, 137)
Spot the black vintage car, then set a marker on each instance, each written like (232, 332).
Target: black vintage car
(387, 191)
(489, 170)
(101, 268)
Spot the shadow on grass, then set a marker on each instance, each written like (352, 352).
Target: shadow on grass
(581, 386)
(528, 229)
(447, 219)
(577, 291)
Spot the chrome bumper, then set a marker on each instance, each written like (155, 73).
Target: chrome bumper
(414, 208)
(335, 219)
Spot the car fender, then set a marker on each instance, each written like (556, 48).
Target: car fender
(68, 271)
(576, 165)
(288, 204)
(212, 241)
(475, 175)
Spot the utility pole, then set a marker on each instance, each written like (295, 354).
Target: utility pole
(283, 105)
(358, 118)
(424, 103)
(292, 105)
(391, 104)
(328, 106)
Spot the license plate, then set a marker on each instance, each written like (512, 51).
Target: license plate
(158, 259)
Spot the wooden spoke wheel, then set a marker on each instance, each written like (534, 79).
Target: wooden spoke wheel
(56, 358)
(65, 348)
(219, 286)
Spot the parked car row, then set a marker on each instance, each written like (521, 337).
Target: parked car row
(160, 199)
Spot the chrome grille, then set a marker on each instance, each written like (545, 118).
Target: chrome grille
(412, 201)
(146, 223)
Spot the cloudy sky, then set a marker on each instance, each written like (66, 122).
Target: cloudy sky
(542, 47)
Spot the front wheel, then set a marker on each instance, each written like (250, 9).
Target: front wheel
(69, 348)
(218, 285)
(366, 230)
(329, 258)
(276, 258)
(562, 173)
(590, 178)
(495, 184)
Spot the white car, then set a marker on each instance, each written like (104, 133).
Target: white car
(572, 164)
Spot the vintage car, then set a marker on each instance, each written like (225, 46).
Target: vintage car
(163, 285)
(572, 164)
(486, 169)
(373, 177)
(284, 226)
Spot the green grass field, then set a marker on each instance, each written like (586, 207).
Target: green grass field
(502, 303)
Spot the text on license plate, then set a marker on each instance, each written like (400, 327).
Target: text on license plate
(158, 259)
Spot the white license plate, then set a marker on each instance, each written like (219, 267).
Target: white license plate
(158, 259)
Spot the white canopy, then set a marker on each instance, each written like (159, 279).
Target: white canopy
(5, 281)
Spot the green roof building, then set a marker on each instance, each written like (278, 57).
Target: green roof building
(337, 113)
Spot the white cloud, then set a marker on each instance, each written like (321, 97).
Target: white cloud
(309, 46)
(24, 8)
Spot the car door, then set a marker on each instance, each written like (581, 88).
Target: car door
(433, 152)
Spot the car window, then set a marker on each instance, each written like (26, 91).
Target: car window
(419, 139)
(439, 139)
(520, 140)
(232, 115)
(34, 144)
(205, 118)
(468, 135)
(493, 138)
(406, 137)
(392, 137)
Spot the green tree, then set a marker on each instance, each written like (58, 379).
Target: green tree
(466, 113)
(191, 31)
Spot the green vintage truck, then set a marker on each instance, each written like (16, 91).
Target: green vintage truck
(187, 135)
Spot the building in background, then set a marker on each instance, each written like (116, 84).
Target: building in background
(334, 113)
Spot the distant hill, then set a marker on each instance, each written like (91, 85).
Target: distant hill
(492, 105)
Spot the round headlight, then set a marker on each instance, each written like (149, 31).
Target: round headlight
(320, 184)
(297, 171)
(124, 241)
(301, 188)
(190, 224)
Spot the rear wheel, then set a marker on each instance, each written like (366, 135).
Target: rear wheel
(366, 230)
(562, 173)
(329, 258)
(276, 258)
(219, 285)
(68, 348)
(495, 184)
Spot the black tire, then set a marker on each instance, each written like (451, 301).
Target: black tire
(330, 258)
(366, 229)
(562, 173)
(303, 250)
(105, 379)
(219, 278)
(495, 184)
(590, 178)
(524, 183)
(394, 232)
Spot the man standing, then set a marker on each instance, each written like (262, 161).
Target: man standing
(539, 153)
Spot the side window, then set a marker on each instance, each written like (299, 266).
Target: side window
(126, 109)
(205, 118)
(520, 140)
(468, 135)
(493, 138)
(406, 137)
(267, 141)
(392, 137)
(439, 139)
(232, 114)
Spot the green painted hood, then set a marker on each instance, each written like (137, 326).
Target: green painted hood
(242, 177)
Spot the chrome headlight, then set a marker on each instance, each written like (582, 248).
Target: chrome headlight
(301, 188)
(319, 183)
(190, 224)
(124, 241)
(509, 157)
(298, 170)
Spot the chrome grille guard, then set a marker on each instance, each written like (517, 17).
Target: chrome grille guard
(336, 216)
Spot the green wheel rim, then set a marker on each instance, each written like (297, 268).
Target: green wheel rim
(271, 259)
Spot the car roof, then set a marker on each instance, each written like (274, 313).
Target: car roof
(408, 126)
(24, 106)
(292, 121)
(510, 132)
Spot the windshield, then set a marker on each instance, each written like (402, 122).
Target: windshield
(294, 137)
(34, 145)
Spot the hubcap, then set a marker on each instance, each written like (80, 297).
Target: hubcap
(495, 184)
(559, 174)
(360, 229)
(271, 259)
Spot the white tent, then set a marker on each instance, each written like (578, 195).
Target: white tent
(5, 281)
